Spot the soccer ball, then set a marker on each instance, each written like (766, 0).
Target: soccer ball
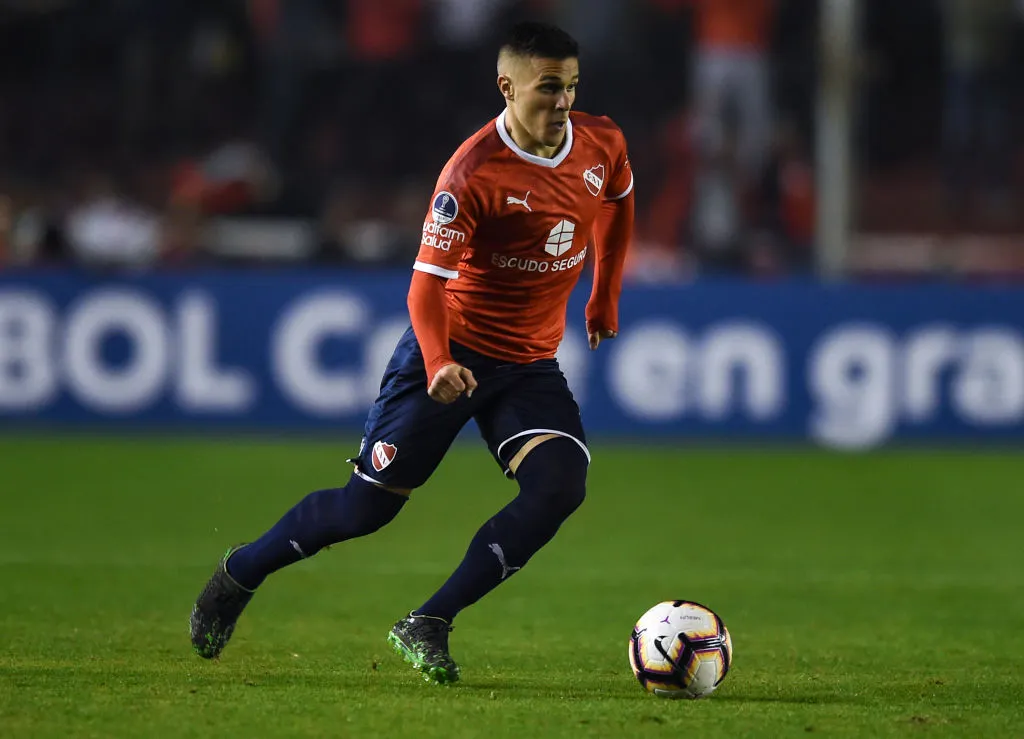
(680, 649)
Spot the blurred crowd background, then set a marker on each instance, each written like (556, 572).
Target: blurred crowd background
(171, 133)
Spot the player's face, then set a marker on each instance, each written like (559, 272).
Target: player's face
(542, 96)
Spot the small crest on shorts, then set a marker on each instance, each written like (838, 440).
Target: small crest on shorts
(383, 455)
(445, 208)
(594, 177)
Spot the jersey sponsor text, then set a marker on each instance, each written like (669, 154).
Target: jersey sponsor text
(441, 237)
(538, 265)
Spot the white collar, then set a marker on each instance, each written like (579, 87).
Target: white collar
(533, 158)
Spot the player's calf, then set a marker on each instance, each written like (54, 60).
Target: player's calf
(322, 518)
(552, 480)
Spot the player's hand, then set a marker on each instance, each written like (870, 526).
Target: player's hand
(450, 382)
(595, 337)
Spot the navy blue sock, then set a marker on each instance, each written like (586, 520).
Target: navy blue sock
(320, 519)
(552, 482)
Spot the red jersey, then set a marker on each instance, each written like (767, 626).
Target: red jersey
(511, 231)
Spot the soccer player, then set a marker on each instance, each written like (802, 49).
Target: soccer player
(516, 212)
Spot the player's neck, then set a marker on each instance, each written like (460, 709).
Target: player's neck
(526, 142)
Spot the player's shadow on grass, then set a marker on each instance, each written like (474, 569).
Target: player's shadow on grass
(483, 688)
(508, 688)
(399, 686)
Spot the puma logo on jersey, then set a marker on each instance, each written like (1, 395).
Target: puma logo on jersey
(513, 200)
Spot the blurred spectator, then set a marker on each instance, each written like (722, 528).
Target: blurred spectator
(662, 224)
(732, 122)
(33, 235)
(719, 215)
(600, 28)
(107, 230)
(292, 38)
(460, 35)
(465, 24)
(316, 127)
(731, 79)
(701, 219)
(383, 38)
(363, 227)
(233, 177)
(180, 235)
(978, 141)
(785, 217)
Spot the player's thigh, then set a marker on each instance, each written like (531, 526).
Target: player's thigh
(536, 407)
(407, 434)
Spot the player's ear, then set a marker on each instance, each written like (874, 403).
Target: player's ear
(505, 87)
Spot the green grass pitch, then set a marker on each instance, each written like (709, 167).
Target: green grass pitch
(873, 595)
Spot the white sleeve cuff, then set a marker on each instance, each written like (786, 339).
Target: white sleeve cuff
(433, 269)
(627, 192)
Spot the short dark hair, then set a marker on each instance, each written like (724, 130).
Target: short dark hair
(543, 40)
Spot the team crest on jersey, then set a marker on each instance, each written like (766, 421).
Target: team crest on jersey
(383, 455)
(445, 208)
(594, 177)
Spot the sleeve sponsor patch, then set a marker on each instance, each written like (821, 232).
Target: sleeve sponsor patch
(445, 208)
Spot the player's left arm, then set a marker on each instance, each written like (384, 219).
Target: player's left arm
(613, 233)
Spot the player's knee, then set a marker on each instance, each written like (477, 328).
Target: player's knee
(358, 509)
(553, 476)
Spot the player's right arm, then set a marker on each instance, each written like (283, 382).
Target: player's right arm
(447, 228)
(428, 309)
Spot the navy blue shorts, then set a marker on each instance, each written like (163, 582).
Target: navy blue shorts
(407, 433)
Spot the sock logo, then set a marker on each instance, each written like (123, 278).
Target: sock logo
(383, 455)
(500, 554)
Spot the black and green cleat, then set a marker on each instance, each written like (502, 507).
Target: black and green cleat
(217, 609)
(423, 642)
